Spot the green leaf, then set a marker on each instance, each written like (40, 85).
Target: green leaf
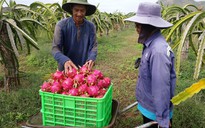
(191, 5)
(173, 10)
(32, 42)
(182, 41)
(1, 7)
(26, 8)
(33, 21)
(1, 24)
(11, 38)
(189, 28)
(21, 6)
(21, 38)
(179, 23)
(189, 92)
(1, 59)
(57, 5)
(35, 4)
(200, 55)
(192, 44)
(6, 45)
(64, 1)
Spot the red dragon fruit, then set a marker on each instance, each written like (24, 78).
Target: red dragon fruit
(79, 78)
(58, 76)
(73, 92)
(91, 79)
(107, 82)
(56, 87)
(71, 73)
(93, 90)
(98, 74)
(82, 88)
(67, 84)
(46, 87)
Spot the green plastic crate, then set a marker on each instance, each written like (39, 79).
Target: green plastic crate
(63, 110)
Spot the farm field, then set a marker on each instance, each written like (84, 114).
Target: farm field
(26, 33)
(117, 53)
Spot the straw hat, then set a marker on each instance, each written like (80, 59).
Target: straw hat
(90, 8)
(149, 13)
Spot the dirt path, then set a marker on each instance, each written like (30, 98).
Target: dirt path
(117, 62)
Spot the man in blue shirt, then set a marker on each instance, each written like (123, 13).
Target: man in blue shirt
(157, 77)
(74, 42)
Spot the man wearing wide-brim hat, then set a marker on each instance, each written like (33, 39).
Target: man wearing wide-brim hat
(74, 42)
(157, 78)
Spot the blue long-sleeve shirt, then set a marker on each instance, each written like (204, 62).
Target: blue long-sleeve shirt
(157, 78)
(76, 44)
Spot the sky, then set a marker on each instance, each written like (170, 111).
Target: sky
(110, 6)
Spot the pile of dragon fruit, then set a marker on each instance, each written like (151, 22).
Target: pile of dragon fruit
(81, 82)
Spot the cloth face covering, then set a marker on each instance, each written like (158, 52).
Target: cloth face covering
(145, 32)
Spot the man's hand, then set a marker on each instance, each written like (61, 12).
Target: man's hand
(90, 64)
(68, 66)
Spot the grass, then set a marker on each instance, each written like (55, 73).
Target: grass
(116, 55)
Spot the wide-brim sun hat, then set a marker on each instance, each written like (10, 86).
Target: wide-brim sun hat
(90, 8)
(149, 13)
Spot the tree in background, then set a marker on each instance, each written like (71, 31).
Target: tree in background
(17, 31)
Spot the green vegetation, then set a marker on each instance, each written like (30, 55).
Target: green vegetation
(117, 53)
(18, 26)
(200, 4)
